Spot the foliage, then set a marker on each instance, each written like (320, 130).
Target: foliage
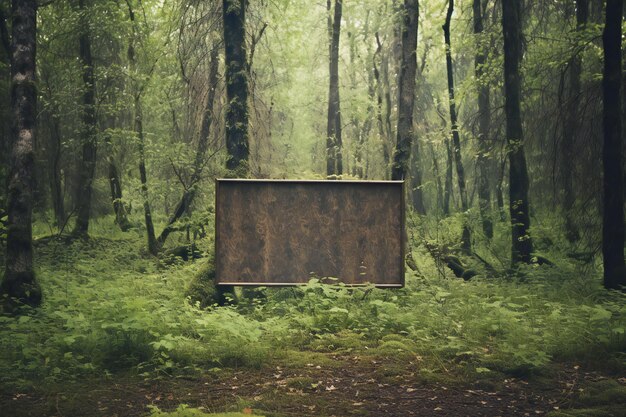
(184, 411)
(598, 399)
(108, 308)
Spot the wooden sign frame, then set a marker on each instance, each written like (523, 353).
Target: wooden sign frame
(283, 232)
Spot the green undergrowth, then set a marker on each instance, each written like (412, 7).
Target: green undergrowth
(605, 398)
(109, 307)
(184, 411)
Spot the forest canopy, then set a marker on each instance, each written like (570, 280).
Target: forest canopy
(503, 118)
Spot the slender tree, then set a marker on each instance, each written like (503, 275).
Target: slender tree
(115, 185)
(334, 161)
(203, 145)
(87, 166)
(571, 127)
(447, 193)
(371, 110)
(521, 242)
(382, 91)
(408, 68)
(234, 15)
(417, 196)
(153, 246)
(613, 180)
(54, 163)
(19, 278)
(484, 122)
(456, 140)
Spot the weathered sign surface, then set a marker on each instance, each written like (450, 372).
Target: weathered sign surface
(282, 232)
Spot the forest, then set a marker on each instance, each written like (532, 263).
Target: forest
(503, 118)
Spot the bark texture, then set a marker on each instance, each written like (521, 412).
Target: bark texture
(236, 86)
(334, 160)
(570, 128)
(456, 140)
(19, 279)
(115, 185)
(613, 210)
(54, 161)
(382, 90)
(484, 123)
(521, 242)
(87, 166)
(153, 246)
(408, 68)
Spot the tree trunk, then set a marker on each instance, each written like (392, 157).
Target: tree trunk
(369, 120)
(402, 153)
(334, 162)
(456, 140)
(87, 166)
(500, 190)
(484, 122)
(119, 208)
(417, 196)
(153, 246)
(19, 278)
(437, 177)
(570, 128)
(613, 180)
(54, 159)
(521, 243)
(236, 86)
(203, 145)
(448, 181)
(384, 136)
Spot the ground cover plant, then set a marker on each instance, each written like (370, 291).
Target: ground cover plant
(501, 119)
(112, 313)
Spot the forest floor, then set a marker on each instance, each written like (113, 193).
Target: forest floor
(339, 386)
(120, 335)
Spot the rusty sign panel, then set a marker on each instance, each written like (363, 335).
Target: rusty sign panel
(281, 232)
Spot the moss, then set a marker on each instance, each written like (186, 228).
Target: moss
(605, 398)
(184, 411)
(610, 411)
(302, 359)
(396, 349)
(343, 341)
(607, 392)
(301, 382)
(202, 288)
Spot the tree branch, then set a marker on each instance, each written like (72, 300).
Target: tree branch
(255, 41)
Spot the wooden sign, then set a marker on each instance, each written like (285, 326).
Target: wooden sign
(282, 232)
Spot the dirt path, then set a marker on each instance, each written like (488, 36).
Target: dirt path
(344, 387)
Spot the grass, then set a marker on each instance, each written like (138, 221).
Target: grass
(109, 307)
(184, 411)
